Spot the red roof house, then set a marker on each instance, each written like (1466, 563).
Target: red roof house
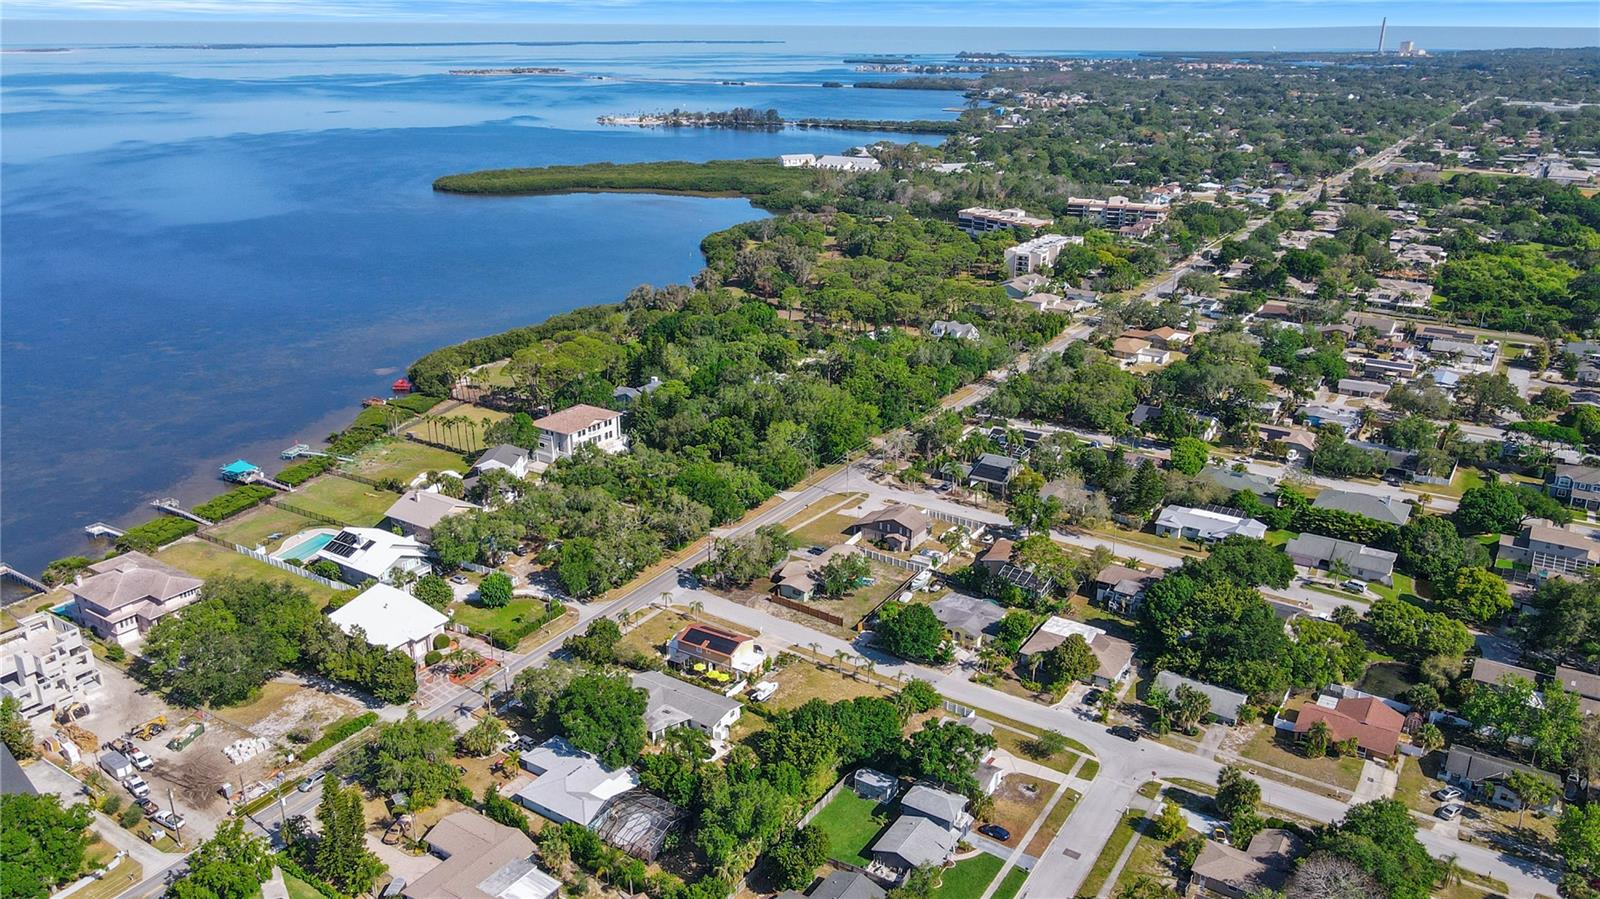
(1375, 726)
(401, 385)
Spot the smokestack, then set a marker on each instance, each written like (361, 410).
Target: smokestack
(1383, 31)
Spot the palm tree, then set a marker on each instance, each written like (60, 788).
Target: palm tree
(696, 607)
(816, 650)
(1449, 871)
(666, 599)
(838, 658)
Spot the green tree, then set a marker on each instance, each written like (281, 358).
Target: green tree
(917, 696)
(1532, 789)
(41, 843)
(1381, 838)
(1171, 823)
(15, 732)
(604, 715)
(1237, 792)
(598, 643)
(795, 859)
(494, 591)
(433, 590)
(1578, 836)
(1319, 739)
(1492, 508)
(842, 573)
(1189, 455)
(913, 632)
(341, 856)
(1475, 594)
(414, 757)
(1429, 547)
(1069, 661)
(949, 752)
(230, 865)
(1429, 738)
(483, 738)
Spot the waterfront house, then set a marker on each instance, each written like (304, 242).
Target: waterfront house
(901, 528)
(480, 859)
(1363, 562)
(417, 512)
(391, 618)
(1206, 524)
(1386, 509)
(124, 596)
(373, 553)
(671, 703)
(562, 433)
(46, 665)
(570, 785)
(715, 648)
(1225, 703)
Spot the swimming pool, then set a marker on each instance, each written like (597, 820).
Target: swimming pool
(307, 548)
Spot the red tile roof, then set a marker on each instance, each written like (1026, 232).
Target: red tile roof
(1375, 726)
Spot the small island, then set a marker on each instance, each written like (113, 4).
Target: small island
(515, 70)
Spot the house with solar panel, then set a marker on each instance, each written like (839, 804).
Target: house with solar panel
(364, 554)
(704, 646)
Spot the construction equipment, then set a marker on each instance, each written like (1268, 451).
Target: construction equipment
(72, 711)
(150, 728)
(189, 734)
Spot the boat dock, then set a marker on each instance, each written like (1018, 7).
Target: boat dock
(173, 507)
(300, 450)
(103, 531)
(33, 583)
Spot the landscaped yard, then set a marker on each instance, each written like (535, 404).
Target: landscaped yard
(1343, 773)
(433, 429)
(404, 460)
(851, 825)
(829, 522)
(487, 621)
(1404, 588)
(1015, 743)
(207, 561)
(968, 879)
(252, 528)
(651, 636)
(342, 499)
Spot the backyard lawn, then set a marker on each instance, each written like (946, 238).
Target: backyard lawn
(433, 429)
(207, 561)
(252, 528)
(854, 606)
(342, 499)
(851, 824)
(969, 878)
(1343, 773)
(405, 460)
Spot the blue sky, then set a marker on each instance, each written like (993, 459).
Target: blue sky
(1583, 14)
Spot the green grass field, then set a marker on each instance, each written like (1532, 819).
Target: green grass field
(482, 620)
(299, 889)
(351, 502)
(207, 561)
(256, 525)
(1110, 853)
(968, 879)
(404, 460)
(1013, 882)
(851, 825)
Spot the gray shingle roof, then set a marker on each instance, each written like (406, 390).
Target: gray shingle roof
(1378, 508)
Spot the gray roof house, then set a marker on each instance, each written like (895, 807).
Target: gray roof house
(870, 783)
(1378, 508)
(1225, 703)
(1486, 775)
(570, 785)
(480, 860)
(1235, 481)
(417, 512)
(1364, 562)
(124, 596)
(913, 841)
(1489, 671)
(993, 471)
(970, 619)
(940, 806)
(960, 330)
(840, 885)
(1264, 864)
(672, 703)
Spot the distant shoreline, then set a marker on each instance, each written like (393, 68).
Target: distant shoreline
(514, 70)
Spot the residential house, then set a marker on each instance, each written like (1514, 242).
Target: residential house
(716, 648)
(970, 620)
(1378, 508)
(1392, 293)
(993, 472)
(1550, 551)
(983, 220)
(799, 577)
(391, 618)
(997, 556)
(570, 785)
(1397, 369)
(1486, 776)
(671, 703)
(1375, 726)
(1039, 253)
(1232, 481)
(1207, 524)
(1346, 419)
(840, 885)
(1584, 683)
(1169, 338)
(1026, 285)
(942, 807)
(561, 434)
(1113, 655)
(909, 843)
(1264, 865)
(1298, 443)
(838, 163)
(1120, 589)
(46, 665)
(1481, 354)
(900, 527)
(626, 396)
(364, 554)
(1326, 553)
(124, 596)
(417, 512)
(958, 330)
(506, 457)
(480, 859)
(1427, 334)
(797, 160)
(1225, 703)
(1575, 485)
(1490, 672)
(1357, 387)
(1137, 351)
(1384, 326)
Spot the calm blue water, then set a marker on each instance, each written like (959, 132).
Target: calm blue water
(216, 253)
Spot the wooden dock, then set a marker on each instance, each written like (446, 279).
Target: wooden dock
(102, 531)
(173, 507)
(27, 580)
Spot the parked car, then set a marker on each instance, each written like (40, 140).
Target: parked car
(1353, 587)
(148, 806)
(311, 781)
(1448, 794)
(135, 784)
(995, 832)
(458, 579)
(1091, 698)
(140, 760)
(169, 820)
(1125, 732)
(1449, 812)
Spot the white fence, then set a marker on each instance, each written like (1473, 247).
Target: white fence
(279, 564)
(895, 561)
(972, 525)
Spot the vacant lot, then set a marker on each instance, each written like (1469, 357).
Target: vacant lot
(436, 427)
(253, 528)
(822, 523)
(851, 824)
(1018, 802)
(342, 499)
(207, 561)
(405, 460)
(801, 681)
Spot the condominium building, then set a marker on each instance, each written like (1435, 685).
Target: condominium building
(1039, 253)
(45, 664)
(983, 220)
(1115, 212)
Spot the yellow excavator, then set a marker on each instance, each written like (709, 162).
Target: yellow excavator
(150, 728)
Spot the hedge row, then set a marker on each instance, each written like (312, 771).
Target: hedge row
(155, 533)
(300, 472)
(338, 734)
(509, 636)
(227, 505)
